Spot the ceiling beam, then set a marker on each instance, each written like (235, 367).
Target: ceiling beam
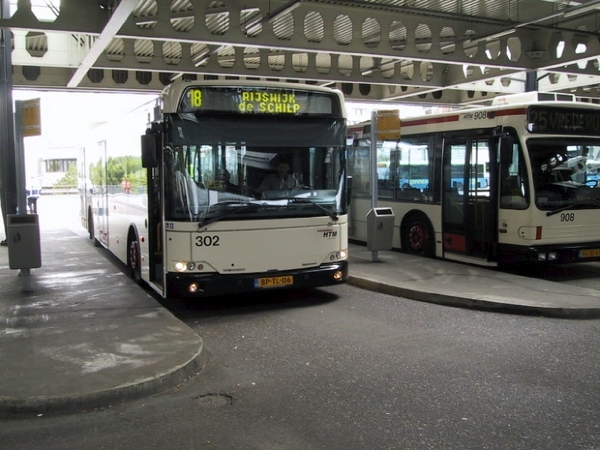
(120, 15)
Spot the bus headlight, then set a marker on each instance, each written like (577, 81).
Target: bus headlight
(552, 256)
(183, 266)
(340, 255)
(542, 256)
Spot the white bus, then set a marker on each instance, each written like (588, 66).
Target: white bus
(511, 183)
(184, 208)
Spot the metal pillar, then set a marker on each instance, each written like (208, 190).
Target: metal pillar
(373, 182)
(8, 181)
(531, 81)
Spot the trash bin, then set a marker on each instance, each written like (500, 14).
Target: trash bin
(23, 241)
(380, 229)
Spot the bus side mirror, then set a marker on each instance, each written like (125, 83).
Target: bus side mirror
(149, 150)
(506, 150)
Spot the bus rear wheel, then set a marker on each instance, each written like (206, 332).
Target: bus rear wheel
(417, 236)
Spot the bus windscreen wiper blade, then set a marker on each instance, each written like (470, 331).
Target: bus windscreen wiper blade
(571, 206)
(310, 202)
(561, 209)
(228, 209)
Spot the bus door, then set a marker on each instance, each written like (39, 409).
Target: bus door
(101, 196)
(155, 222)
(468, 208)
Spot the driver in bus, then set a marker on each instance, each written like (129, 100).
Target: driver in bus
(226, 184)
(282, 179)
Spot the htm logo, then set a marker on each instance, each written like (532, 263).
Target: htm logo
(329, 234)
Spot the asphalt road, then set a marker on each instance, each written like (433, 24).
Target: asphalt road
(342, 368)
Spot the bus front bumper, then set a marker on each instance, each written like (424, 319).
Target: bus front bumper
(549, 254)
(213, 284)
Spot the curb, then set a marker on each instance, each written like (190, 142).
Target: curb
(473, 303)
(105, 399)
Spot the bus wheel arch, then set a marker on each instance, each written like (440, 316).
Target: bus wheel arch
(416, 235)
(134, 256)
(90, 226)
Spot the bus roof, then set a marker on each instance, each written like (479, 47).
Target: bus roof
(532, 97)
(504, 109)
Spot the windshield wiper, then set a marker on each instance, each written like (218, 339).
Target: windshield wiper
(228, 209)
(593, 202)
(310, 202)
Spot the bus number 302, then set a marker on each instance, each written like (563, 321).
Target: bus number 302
(567, 217)
(207, 241)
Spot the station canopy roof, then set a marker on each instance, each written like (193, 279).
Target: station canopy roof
(442, 52)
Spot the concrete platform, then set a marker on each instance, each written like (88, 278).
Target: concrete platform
(463, 285)
(87, 336)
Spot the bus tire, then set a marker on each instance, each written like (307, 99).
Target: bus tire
(133, 257)
(417, 236)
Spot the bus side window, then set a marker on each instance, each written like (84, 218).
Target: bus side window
(514, 189)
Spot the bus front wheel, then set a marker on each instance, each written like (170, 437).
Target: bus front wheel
(417, 236)
(134, 259)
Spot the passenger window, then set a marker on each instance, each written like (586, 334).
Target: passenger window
(385, 169)
(414, 169)
(359, 165)
(514, 184)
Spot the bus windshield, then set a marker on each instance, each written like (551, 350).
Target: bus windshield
(565, 172)
(245, 176)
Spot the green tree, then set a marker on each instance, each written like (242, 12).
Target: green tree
(127, 168)
(69, 179)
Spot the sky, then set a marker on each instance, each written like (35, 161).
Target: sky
(66, 117)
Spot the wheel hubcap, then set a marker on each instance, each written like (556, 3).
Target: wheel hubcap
(418, 237)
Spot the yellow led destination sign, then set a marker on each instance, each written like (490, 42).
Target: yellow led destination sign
(269, 102)
(261, 101)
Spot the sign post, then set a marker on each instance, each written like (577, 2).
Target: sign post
(385, 125)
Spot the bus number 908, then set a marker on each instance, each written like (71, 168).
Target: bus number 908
(567, 217)
(207, 241)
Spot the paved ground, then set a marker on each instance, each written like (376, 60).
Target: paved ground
(88, 336)
(463, 285)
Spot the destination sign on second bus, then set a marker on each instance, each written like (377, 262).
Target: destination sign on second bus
(548, 119)
(248, 100)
